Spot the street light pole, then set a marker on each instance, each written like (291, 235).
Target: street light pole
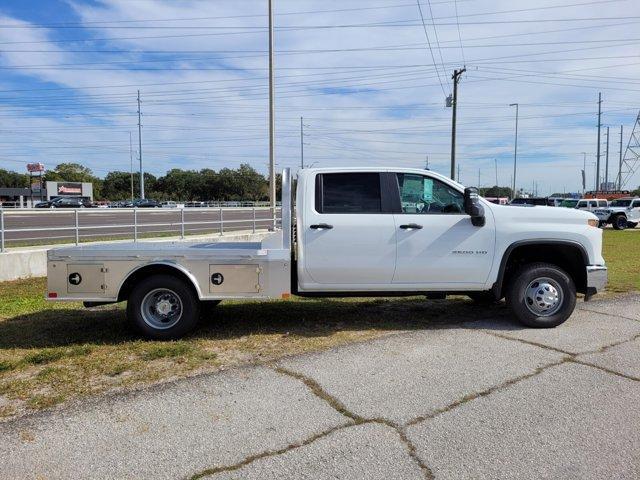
(515, 151)
(131, 160)
(272, 165)
(140, 148)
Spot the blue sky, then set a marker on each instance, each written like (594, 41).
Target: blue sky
(360, 72)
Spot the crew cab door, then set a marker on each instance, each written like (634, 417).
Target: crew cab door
(347, 233)
(438, 246)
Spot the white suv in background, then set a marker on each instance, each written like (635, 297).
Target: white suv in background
(591, 204)
(621, 213)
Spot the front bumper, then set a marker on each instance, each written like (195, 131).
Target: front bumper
(596, 279)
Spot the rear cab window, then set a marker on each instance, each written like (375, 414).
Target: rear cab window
(348, 193)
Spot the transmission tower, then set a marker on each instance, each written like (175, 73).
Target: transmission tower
(631, 159)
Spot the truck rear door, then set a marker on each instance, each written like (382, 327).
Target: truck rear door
(348, 233)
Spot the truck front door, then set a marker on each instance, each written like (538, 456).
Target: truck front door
(438, 246)
(348, 233)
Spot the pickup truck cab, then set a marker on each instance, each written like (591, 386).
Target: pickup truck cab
(358, 232)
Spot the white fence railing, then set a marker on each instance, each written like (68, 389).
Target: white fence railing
(16, 225)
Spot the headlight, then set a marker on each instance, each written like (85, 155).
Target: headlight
(592, 222)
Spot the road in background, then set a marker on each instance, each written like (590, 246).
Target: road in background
(100, 223)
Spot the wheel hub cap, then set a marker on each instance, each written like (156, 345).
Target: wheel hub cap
(543, 297)
(161, 308)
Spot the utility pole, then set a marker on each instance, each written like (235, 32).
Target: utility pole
(427, 165)
(272, 165)
(495, 162)
(598, 154)
(140, 148)
(478, 179)
(131, 160)
(584, 172)
(620, 163)
(606, 168)
(301, 144)
(515, 150)
(458, 180)
(454, 103)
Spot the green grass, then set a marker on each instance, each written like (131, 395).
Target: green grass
(53, 352)
(621, 251)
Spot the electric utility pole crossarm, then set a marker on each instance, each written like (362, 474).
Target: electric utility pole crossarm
(454, 104)
(140, 148)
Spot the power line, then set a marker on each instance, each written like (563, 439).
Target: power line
(433, 58)
(455, 4)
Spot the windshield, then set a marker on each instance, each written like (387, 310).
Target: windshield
(621, 203)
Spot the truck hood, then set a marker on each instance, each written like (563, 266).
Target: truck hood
(541, 214)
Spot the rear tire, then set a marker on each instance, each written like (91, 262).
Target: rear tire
(163, 307)
(541, 295)
(619, 222)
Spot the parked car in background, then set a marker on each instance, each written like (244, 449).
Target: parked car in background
(195, 204)
(169, 204)
(621, 213)
(44, 204)
(68, 202)
(569, 203)
(529, 201)
(146, 203)
(591, 204)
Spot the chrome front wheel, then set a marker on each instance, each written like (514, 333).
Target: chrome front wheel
(543, 296)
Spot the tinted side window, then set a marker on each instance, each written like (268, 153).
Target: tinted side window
(602, 203)
(349, 193)
(581, 204)
(636, 204)
(420, 194)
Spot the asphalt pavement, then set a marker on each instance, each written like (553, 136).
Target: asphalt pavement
(482, 399)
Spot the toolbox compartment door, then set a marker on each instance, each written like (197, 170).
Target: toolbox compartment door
(235, 279)
(86, 278)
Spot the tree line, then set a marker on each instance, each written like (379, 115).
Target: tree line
(243, 183)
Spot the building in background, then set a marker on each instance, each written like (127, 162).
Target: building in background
(69, 189)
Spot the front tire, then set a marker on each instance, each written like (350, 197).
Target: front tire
(163, 307)
(541, 295)
(619, 222)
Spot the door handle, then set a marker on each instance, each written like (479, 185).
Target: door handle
(411, 226)
(321, 226)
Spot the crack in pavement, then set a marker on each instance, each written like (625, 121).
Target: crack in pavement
(355, 419)
(336, 404)
(483, 393)
(608, 314)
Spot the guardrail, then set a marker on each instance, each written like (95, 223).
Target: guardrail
(174, 220)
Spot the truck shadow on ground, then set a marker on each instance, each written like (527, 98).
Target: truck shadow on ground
(229, 320)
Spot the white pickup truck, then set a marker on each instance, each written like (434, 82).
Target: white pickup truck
(359, 232)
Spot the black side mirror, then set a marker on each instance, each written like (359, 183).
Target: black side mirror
(473, 207)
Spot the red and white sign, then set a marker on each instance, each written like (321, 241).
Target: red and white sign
(35, 167)
(69, 189)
